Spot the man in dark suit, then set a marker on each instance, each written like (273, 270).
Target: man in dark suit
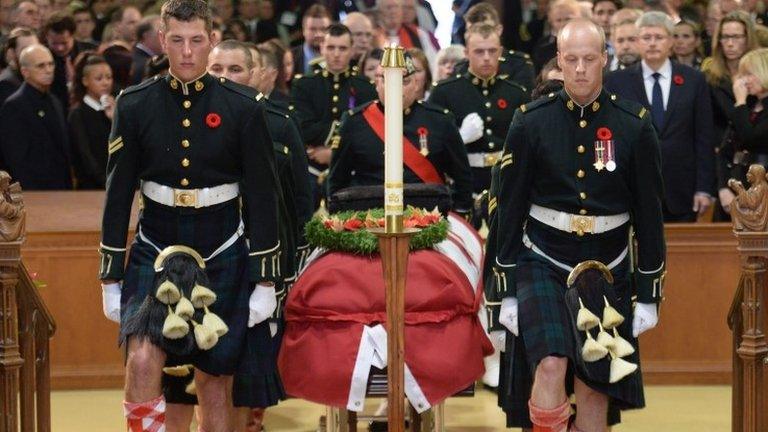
(10, 79)
(147, 46)
(34, 144)
(316, 19)
(677, 98)
(59, 35)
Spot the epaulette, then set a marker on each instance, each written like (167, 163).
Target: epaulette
(279, 148)
(240, 89)
(354, 76)
(273, 110)
(317, 60)
(141, 86)
(505, 79)
(433, 107)
(516, 55)
(630, 107)
(545, 100)
(448, 80)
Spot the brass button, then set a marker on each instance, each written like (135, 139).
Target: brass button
(336, 86)
(185, 162)
(186, 123)
(582, 123)
(491, 145)
(580, 173)
(488, 131)
(489, 118)
(187, 104)
(485, 92)
(580, 149)
(335, 98)
(582, 195)
(487, 104)
(583, 212)
(185, 143)
(334, 110)
(184, 182)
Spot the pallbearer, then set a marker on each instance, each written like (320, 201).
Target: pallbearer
(580, 169)
(198, 147)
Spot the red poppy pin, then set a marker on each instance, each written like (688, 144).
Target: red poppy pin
(678, 79)
(422, 131)
(213, 120)
(501, 103)
(604, 134)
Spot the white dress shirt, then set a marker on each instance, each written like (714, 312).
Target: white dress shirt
(665, 80)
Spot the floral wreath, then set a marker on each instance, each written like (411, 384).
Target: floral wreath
(348, 231)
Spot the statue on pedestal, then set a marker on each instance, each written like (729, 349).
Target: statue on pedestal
(12, 214)
(750, 209)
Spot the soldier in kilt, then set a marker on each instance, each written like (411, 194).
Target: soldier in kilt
(200, 151)
(580, 170)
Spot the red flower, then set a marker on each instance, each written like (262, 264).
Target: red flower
(678, 79)
(353, 224)
(213, 120)
(422, 131)
(501, 103)
(604, 134)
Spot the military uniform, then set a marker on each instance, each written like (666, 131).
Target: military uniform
(516, 65)
(494, 100)
(197, 150)
(358, 156)
(573, 181)
(319, 100)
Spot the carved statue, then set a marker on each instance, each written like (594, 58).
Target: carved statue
(12, 214)
(749, 210)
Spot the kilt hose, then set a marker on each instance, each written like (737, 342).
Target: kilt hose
(545, 327)
(204, 230)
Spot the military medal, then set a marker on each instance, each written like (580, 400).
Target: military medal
(423, 147)
(599, 156)
(604, 150)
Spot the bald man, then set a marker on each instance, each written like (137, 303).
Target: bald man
(362, 35)
(580, 169)
(33, 142)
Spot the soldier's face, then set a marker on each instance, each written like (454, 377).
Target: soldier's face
(581, 57)
(230, 64)
(187, 44)
(409, 88)
(337, 51)
(483, 54)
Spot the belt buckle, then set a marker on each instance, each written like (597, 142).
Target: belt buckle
(582, 224)
(490, 159)
(185, 198)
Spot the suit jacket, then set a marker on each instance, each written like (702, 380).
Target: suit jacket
(298, 59)
(686, 140)
(10, 81)
(139, 59)
(33, 142)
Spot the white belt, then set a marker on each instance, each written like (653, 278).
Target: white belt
(577, 223)
(196, 198)
(483, 160)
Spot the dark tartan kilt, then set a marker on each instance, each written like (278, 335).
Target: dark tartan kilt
(543, 317)
(204, 230)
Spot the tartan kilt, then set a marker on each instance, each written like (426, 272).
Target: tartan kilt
(544, 320)
(204, 230)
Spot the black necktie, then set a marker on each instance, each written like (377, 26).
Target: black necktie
(657, 102)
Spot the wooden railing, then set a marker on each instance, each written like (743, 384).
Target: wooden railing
(26, 326)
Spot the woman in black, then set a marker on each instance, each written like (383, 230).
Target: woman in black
(91, 119)
(749, 118)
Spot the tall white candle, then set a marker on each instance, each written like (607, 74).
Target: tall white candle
(393, 138)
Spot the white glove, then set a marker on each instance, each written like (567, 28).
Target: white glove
(508, 314)
(110, 301)
(646, 317)
(471, 128)
(272, 329)
(498, 340)
(261, 304)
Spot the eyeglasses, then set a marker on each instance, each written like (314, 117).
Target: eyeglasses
(651, 38)
(733, 37)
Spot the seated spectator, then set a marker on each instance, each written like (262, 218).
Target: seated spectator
(25, 14)
(421, 74)
(34, 145)
(687, 46)
(370, 62)
(91, 119)
(446, 60)
(362, 35)
(59, 36)
(10, 78)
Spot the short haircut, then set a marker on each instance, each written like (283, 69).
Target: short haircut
(145, 26)
(484, 30)
(316, 11)
(337, 30)
(235, 45)
(186, 11)
(481, 12)
(756, 62)
(60, 22)
(25, 53)
(268, 58)
(656, 19)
